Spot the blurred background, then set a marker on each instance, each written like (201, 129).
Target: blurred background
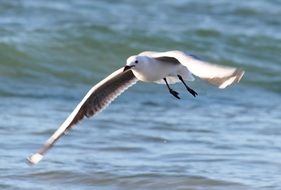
(52, 52)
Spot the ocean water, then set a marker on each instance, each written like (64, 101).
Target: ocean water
(52, 52)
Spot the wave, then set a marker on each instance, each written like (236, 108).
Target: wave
(89, 46)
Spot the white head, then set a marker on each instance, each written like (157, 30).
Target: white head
(136, 62)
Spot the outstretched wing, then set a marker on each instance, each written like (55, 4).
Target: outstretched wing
(95, 101)
(221, 76)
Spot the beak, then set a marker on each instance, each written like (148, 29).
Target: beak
(127, 68)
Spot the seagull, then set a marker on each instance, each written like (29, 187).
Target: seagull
(160, 67)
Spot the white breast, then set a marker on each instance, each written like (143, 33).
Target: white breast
(154, 71)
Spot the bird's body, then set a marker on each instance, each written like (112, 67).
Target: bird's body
(160, 67)
(165, 69)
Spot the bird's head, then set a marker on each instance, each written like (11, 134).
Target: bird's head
(135, 62)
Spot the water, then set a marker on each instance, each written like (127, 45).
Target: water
(52, 52)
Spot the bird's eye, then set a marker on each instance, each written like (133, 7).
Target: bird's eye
(136, 61)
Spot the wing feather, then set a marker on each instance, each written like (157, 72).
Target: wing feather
(98, 98)
(221, 76)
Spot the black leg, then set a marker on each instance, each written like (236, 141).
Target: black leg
(190, 90)
(174, 93)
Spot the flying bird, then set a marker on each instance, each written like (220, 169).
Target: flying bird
(161, 67)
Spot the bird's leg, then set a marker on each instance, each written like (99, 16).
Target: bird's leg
(174, 93)
(190, 90)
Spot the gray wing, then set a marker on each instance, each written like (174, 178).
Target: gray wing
(167, 59)
(100, 96)
(221, 76)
